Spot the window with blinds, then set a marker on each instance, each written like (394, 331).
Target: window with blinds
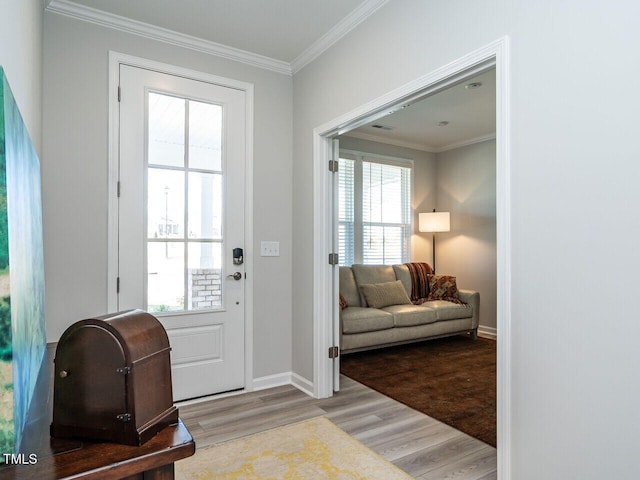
(375, 210)
(346, 229)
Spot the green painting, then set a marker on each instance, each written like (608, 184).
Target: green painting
(22, 327)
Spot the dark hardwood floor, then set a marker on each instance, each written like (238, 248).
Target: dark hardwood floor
(452, 379)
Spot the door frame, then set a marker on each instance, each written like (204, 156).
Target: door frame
(495, 54)
(115, 60)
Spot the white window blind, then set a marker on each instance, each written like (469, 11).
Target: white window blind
(346, 200)
(375, 210)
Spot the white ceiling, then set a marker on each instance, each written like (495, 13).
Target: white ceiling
(471, 114)
(279, 29)
(284, 35)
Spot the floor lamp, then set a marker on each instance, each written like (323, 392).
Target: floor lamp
(434, 222)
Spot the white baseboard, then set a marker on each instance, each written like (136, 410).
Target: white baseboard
(487, 332)
(285, 378)
(302, 384)
(261, 383)
(271, 381)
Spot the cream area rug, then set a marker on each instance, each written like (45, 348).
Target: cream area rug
(309, 450)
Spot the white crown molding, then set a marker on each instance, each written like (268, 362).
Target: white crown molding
(417, 146)
(466, 143)
(127, 25)
(342, 28)
(390, 141)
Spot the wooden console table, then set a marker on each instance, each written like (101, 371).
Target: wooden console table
(46, 458)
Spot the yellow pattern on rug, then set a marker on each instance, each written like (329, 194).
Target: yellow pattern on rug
(309, 450)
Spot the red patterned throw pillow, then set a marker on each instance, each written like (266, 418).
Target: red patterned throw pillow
(443, 287)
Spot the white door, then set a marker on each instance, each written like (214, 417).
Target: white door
(181, 215)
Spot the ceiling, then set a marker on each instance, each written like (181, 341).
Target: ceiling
(284, 35)
(470, 113)
(279, 29)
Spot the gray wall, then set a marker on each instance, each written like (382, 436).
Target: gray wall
(76, 166)
(466, 187)
(21, 58)
(573, 195)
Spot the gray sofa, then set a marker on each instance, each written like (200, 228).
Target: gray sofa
(363, 327)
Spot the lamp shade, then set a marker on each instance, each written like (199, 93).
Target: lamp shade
(433, 222)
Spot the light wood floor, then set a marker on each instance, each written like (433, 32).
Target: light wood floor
(416, 443)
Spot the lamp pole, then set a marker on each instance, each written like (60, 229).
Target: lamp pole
(433, 237)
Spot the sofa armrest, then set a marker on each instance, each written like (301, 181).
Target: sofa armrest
(472, 298)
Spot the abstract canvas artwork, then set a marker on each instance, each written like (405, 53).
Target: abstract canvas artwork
(22, 325)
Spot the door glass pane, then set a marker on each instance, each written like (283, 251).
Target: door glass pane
(204, 281)
(165, 203)
(205, 205)
(166, 130)
(165, 276)
(205, 136)
(184, 243)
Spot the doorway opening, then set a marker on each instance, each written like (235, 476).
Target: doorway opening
(326, 308)
(436, 154)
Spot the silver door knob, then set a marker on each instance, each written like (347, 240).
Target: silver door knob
(235, 276)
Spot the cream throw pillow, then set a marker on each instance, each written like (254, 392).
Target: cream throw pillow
(380, 295)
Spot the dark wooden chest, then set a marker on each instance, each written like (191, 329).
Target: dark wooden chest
(113, 379)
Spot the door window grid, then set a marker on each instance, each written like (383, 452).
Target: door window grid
(184, 265)
(374, 224)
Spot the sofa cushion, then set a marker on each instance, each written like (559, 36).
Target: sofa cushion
(443, 287)
(367, 274)
(411, 315)
(348, 288)
(362, 319)
(380, 295)
(446, 310)
(402, 274)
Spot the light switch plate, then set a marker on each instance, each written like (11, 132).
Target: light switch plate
(269, 249)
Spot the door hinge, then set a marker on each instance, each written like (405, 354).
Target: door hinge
(123, 370)
(124, 417)
(333, 166)
(119, 93)
(334, 352)
(118, 188)
(334, 258)
(118, 285)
